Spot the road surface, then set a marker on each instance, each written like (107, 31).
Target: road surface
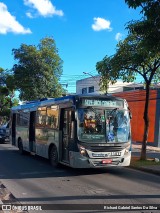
(33, 181)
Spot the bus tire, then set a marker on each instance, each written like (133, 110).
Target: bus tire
(53, 156)
(20, 146)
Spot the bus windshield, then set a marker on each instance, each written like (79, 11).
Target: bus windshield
(99, 125)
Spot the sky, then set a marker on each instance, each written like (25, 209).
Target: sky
(85, 31)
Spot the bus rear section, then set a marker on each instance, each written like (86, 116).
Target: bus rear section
(22, 128)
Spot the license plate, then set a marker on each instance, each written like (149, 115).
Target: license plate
(107, 161)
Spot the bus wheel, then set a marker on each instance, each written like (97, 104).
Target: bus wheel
(53, 156)
(20, 146)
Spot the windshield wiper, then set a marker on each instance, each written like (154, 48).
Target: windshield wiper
(113, 110)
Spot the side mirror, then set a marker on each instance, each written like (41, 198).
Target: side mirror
(130, 114)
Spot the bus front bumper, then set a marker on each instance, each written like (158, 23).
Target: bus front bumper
(79, 161)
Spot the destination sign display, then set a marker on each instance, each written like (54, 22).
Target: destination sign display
(102, 103)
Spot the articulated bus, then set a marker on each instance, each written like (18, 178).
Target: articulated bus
(81, 131)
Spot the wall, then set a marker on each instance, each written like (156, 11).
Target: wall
(88, 82)
(136, 101)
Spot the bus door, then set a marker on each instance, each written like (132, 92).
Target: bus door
(67, 138)
(32, 123)
(13, 129)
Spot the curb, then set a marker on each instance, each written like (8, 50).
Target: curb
(7, 198)
(148, 170)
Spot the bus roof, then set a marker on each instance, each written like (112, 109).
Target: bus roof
(30, 105)
(33, 105)
(73, 98)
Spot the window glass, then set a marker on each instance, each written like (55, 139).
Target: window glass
(91, 89)
(52, 117)
(91, 125)
(103, 125)
(117, 125)
(84, 90)
(23, 119)
(41, 117)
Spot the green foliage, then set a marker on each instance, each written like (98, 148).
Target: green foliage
(7, 99)
(149, 26)
(131, 58)
(150, 8)
(104, 68)
(38, 70)
(136, 162)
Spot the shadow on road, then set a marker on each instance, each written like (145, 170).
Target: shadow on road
(16, 166)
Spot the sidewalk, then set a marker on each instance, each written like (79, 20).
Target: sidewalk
(154, 169)
(7, 199)
(151, 148)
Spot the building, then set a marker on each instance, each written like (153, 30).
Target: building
(91, 85)
(88, 85)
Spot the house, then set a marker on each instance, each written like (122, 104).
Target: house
(91, 85)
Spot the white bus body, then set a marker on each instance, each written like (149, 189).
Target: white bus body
(80, 131)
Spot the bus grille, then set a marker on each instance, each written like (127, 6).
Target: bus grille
(105, 148)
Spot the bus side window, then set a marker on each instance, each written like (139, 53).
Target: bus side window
(52, 117)
(23, 119)
(41, 117)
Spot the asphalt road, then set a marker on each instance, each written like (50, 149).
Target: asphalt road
(33, 181)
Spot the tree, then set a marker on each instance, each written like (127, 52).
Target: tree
(149, 25)
(7, 95)
(132, 58)
(38, 70)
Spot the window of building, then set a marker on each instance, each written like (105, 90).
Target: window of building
(132, 88)
(84, 90)
(91, 89)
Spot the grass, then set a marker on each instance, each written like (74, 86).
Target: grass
(135, 161)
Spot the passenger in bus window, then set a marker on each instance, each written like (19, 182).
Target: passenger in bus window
(89, 124)
(86, 123)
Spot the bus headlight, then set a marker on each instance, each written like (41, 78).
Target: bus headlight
(127, 150)
(82, 151)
